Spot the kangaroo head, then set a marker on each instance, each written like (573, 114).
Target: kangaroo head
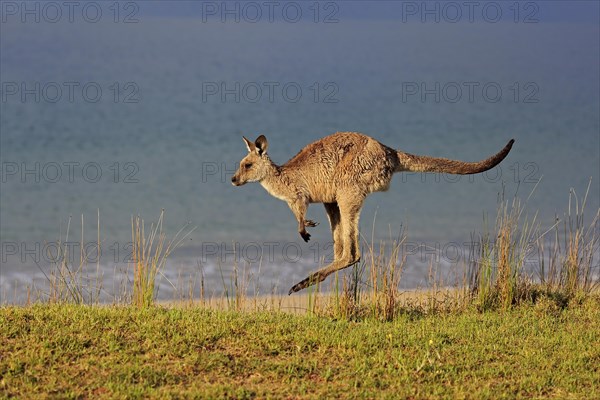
(255, 166)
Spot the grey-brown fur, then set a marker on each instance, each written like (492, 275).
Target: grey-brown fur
(340, 170)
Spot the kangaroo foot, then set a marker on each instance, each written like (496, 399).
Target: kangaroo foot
(310, 223)
(320, 276)
(306, 282)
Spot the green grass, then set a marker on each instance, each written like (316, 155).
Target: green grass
(72, 351)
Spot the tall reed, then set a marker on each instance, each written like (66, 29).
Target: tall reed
(150, 255)
(69, 281)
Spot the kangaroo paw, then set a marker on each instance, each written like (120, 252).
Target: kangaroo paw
(311, 223)
(305, 235)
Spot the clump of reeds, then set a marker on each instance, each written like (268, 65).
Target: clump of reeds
(498, 277)
(498, 274)
(385, 272)
(371, 288)
(568, 264)
(235, 292)
(70, 282)
(149, 256)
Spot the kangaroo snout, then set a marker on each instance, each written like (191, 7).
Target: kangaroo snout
(237, 181)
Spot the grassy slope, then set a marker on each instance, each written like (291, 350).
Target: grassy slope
(114, 352)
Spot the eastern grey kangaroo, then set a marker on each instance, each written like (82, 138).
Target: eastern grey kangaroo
(339, 171)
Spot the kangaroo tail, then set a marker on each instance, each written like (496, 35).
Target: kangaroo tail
(414, 163)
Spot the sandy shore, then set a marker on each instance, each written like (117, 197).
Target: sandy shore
(300, 303)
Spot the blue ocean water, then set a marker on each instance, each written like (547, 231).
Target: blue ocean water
(126, 119)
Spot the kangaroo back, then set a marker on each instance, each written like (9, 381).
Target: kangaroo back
(414, 163)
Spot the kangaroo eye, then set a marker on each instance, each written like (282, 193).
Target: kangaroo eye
(248, 165)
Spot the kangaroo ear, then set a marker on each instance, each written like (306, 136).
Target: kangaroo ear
(251, 147)
(261, 145)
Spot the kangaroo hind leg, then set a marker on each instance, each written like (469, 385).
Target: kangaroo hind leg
(348, 253)
(335, 222)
